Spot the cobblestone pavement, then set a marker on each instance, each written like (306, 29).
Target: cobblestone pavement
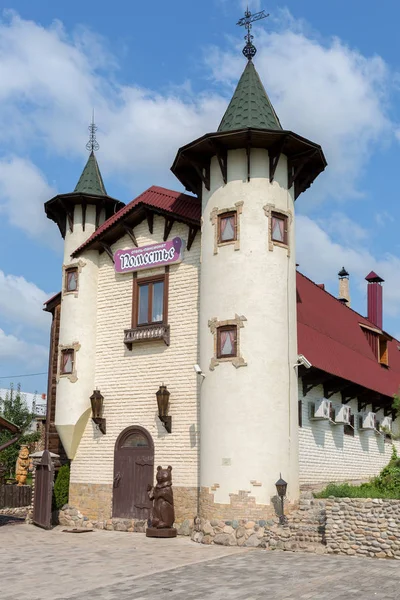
(102, 565)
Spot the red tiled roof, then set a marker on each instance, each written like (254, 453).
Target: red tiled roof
(182, 206)
(330, 337)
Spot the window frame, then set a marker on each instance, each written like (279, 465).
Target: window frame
(65, 351)
(67, 271)
(383, 351)
(150, 281)
(220, 330)
(282, 217)
(226, 215)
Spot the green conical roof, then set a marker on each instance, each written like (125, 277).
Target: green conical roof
(91, 181)
(250, 105)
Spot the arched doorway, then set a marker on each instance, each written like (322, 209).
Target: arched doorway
(133, 472)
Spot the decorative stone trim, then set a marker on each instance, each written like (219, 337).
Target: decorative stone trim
(256, 483)
(73, 377)
(268, 210)
(237, 361)
(79, 265)
(214, 220)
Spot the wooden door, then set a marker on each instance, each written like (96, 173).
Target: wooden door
(133, 472)
(42, 499)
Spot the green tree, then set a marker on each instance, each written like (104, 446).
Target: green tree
(14, 408)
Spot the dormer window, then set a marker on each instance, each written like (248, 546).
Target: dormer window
(383, 352)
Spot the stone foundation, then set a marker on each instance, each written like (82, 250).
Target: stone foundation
(94, 501)
(305, 530)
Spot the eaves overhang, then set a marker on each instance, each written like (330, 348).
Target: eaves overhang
(306, 159)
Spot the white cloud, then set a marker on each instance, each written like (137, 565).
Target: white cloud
(23, 190)
(24, 354)
(321, 257)
(21, 301)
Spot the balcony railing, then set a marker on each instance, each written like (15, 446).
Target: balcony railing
(146, 333)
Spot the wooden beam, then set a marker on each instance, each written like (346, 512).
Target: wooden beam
(129, 231)
(167, 227)
(334, 386)
(274, 155)
(150, 220)
(199, 168)
(222, 157)
(248, 152)
(192, 234)
(69, 214)
(297, 164)
(108, 250)
(84, 205)
(311, 380)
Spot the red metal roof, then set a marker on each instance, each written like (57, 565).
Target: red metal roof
(181, 206)
(330, 337)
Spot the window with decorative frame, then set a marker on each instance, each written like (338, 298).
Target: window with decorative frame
(279, 222)
(150, 301)
(227, 227)
(67, 361)
(71, 279)
(227, 341)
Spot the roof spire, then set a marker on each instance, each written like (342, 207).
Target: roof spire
(92, 144)
(250, 50)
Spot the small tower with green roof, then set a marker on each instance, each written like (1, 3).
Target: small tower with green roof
(78, 215)
(248, 175)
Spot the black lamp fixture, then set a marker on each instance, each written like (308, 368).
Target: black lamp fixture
(163, 406)
(97, 400)
(281, 487)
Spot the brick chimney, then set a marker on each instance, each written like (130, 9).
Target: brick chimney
(344, 289)
(375, 312)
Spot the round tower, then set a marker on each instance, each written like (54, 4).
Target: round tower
(249, 174)
(78, 215)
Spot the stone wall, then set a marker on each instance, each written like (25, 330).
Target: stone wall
(363, 526)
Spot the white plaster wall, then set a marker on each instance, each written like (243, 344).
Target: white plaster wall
(129, 380)
(326, 454)
(78, 325)
(249, 414)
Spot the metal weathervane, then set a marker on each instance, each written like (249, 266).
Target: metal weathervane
(92, 144)
(250, 50)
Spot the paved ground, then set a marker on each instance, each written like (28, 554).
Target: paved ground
(44, 565)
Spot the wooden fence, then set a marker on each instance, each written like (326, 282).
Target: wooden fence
(15, 496)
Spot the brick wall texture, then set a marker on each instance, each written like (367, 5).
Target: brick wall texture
(129, 380)
(326, 454)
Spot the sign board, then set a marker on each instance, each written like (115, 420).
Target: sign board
(149, 257)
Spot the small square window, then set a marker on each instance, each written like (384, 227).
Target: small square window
(227, 228)
(67, 361)
(227, 341)
(71, 279)
(279, 228)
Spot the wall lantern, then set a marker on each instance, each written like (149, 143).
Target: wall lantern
(97, 400)
(281, 487)
(163, 406)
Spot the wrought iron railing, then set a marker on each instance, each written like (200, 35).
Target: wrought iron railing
(146, 333)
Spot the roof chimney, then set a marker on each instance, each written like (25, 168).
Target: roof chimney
(375, 314)
(344, 289)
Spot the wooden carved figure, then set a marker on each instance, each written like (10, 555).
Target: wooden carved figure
(22, 467)
(163, 514)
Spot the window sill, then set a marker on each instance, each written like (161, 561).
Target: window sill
(146, 333)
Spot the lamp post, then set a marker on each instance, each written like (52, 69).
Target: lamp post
(97, 400)
(281, 487)
(163, 407)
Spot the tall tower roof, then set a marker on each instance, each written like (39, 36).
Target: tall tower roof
(250, 105)
(91, 181)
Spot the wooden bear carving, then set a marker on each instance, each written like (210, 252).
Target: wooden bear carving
(163, 514)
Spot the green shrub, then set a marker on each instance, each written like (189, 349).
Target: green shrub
(61, 487)
(385, 485)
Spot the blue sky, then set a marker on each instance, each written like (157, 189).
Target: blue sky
(161, 75)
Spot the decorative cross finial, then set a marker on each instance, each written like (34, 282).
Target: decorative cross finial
(92, 144)
(250, 50)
